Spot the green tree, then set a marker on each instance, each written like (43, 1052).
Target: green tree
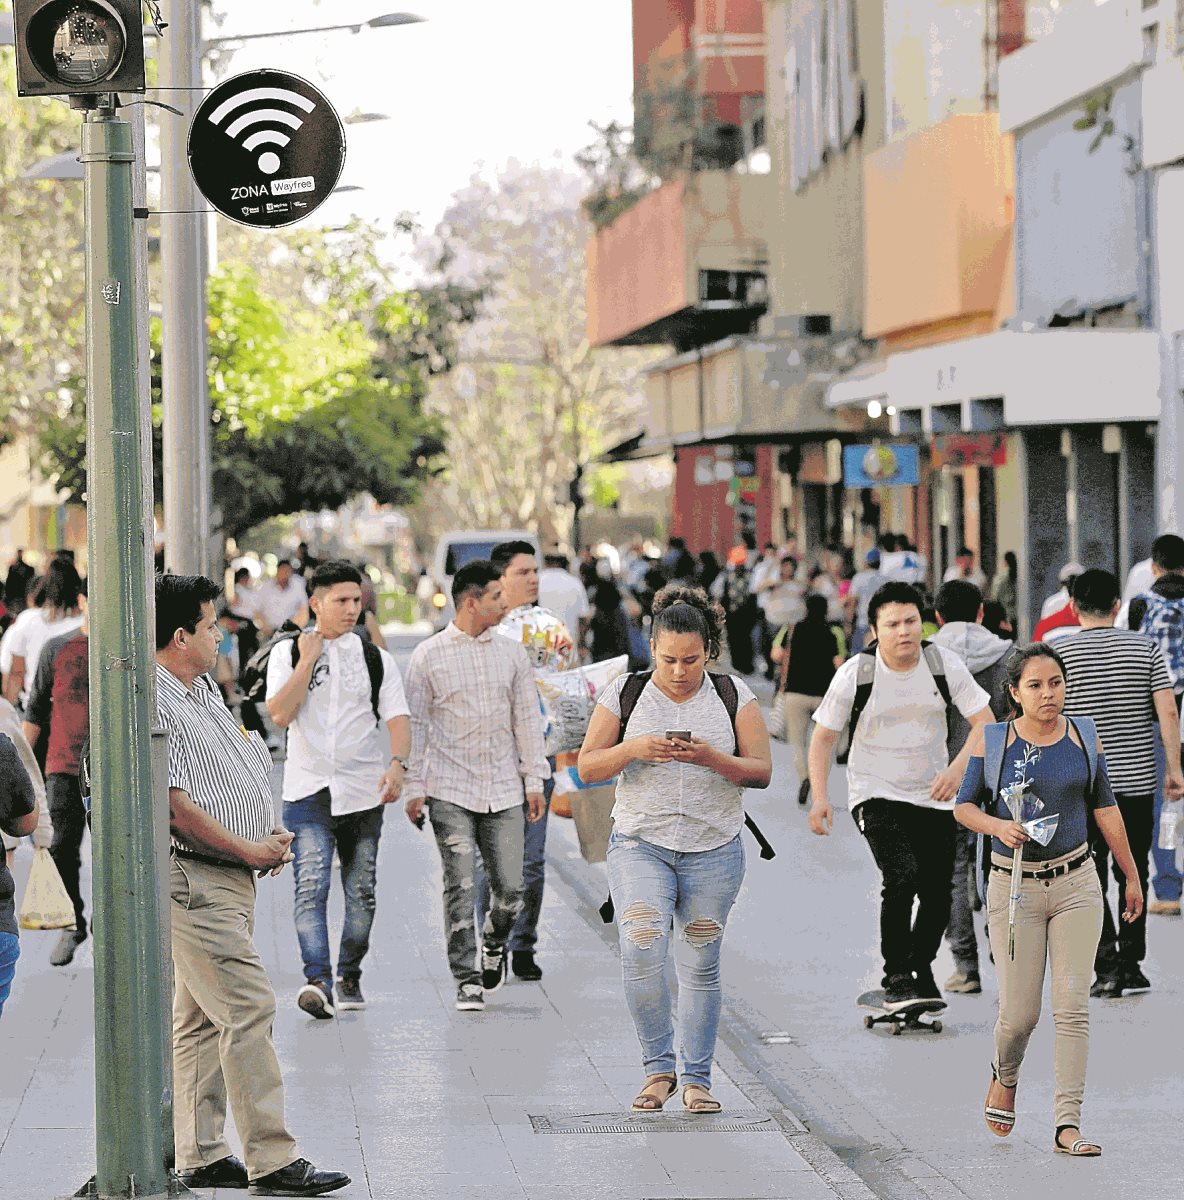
(42, 321)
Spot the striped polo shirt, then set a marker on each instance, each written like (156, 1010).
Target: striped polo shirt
(224, 769)
(1113, 674)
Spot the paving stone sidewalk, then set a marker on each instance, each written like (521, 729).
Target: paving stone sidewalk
(414, 1099)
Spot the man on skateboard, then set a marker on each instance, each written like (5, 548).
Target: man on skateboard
(900, 783)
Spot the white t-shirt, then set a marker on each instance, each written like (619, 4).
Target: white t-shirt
(678, 806)
(785, 604)
(27, 636)
(907, 566)
(765, 570)
(276, 605)
(562, 593)
(900, 741)
(334, 742)
(864, 585)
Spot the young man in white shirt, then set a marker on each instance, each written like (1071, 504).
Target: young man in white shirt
(900, 782)
(562, 593)
(347, 754)
(280, 599)
(477, 750)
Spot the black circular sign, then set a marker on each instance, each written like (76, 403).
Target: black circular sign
(266, 148)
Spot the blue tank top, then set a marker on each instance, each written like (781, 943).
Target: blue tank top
(1059, 775)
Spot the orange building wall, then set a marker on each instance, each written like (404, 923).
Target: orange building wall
(938, 217)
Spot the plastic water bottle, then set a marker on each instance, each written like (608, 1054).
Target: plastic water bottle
(1171, 815)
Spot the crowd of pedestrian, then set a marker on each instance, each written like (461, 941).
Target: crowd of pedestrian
(946, 728)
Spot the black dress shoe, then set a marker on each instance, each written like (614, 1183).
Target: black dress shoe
(227, 1172)
(524, 967)
(299, 1178)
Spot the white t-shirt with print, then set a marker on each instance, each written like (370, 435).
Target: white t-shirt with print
(334, 741)
(900, 741)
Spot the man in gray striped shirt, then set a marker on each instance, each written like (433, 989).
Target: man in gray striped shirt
(1120, 679)
(224, 830)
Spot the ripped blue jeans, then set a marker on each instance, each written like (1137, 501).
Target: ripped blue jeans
(659, 893)
(355, 837)
(500, 837)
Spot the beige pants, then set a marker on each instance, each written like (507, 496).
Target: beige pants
(223, 1009)
(1059, 921)
(798, 710)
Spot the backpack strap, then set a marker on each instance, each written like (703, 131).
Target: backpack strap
(631, 691)
(374, 669)
(1087, 731)
(865, 677)
(994, 748)
(937, 668)
(725, 689)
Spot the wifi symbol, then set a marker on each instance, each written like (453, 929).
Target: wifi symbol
(269, 161)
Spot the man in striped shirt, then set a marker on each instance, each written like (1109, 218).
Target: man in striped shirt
(1120, 679)
(223, 830)
(476, 748)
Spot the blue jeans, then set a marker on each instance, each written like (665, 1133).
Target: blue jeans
(1167, 881)
(499, 837)
(655, 890)
(10, 951)
(525, 934)
(355, 837)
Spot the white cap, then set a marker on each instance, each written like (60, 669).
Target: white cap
(1070, 571)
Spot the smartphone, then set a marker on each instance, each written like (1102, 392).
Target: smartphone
(678, 735)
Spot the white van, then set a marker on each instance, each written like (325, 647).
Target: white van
(461, 546)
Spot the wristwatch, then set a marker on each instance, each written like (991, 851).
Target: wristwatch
(401, 761)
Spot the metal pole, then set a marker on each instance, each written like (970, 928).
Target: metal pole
(130, 1074)
(183, 307)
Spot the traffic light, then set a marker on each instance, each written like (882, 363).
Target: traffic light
(78, 47)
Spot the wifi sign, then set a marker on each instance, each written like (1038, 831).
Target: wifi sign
(257, 114)
(266, 148)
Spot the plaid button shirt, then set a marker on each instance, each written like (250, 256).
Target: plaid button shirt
(476, 724)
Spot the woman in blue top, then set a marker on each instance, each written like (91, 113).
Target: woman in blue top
(1059, 919)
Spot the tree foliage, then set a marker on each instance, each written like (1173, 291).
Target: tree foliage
(527, 398)
(42, 321)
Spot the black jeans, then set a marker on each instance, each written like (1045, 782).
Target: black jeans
(960, 934)
(914, 849)
(1124, 946)
(68, 814)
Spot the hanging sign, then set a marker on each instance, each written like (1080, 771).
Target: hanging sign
(880, 465)
(266, 148)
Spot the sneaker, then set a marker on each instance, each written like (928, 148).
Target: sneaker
(1106, 987)
(964, 983)
(804, 792)
(316, 999)
(469, 998)
(927, 988)
(63, 953)
(493, 967)
(1164, 908)
(900, 993)
(524, 967)
(349, 995)
(1133, 982)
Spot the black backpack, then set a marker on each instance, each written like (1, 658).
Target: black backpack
(725, 689)
(253, 678)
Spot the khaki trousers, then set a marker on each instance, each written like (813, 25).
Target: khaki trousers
(223, 1009)
(798, 710)
(1059, 922)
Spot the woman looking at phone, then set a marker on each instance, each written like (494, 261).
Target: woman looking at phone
(1059, 917)
(675, 862)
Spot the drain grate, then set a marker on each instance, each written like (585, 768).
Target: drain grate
(728, 1121)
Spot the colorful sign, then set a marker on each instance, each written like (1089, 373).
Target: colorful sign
(970, 450)
(881, 465)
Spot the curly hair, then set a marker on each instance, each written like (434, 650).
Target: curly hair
(680, 608)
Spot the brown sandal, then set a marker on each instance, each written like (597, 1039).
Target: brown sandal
(1078, 1148)
(1000, 1121)
(646, 1101)
(705, 1102)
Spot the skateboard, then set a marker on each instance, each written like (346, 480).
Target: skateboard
(902, 1018)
